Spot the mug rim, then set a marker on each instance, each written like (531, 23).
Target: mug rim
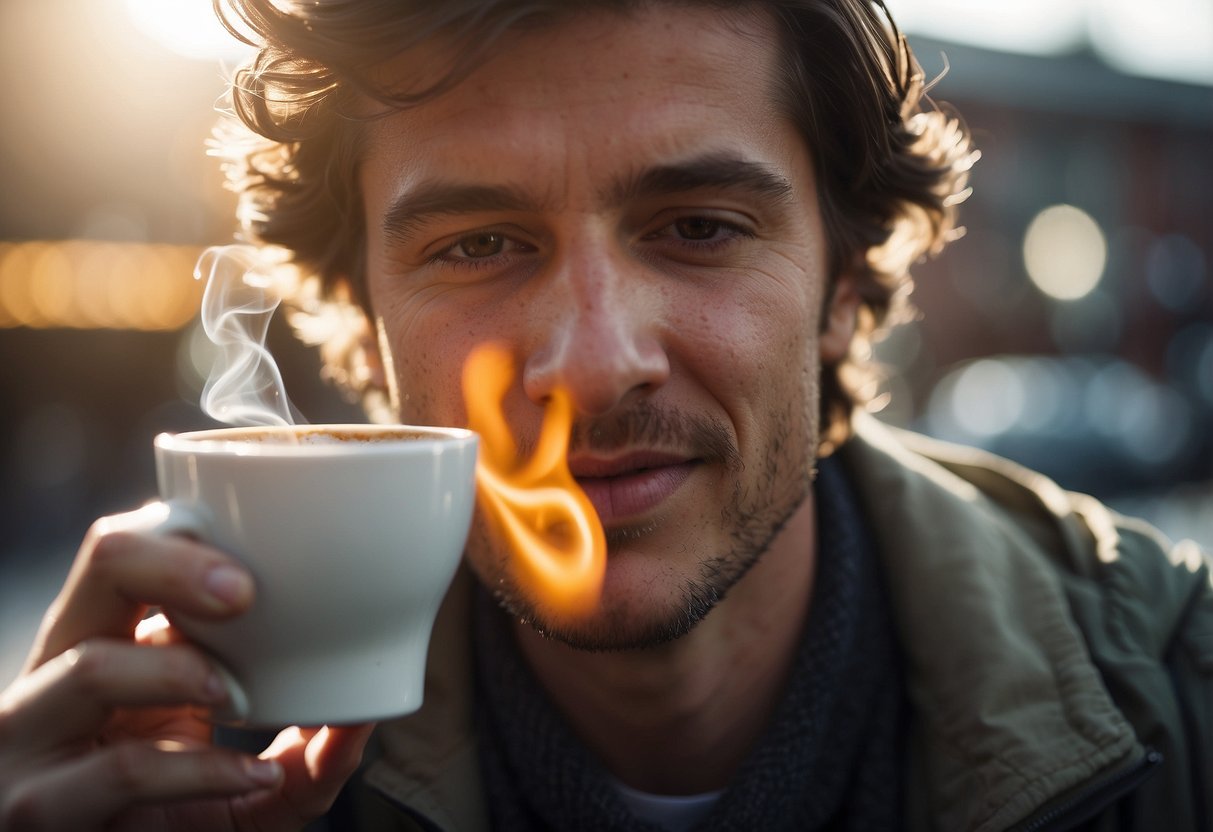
(228, 441)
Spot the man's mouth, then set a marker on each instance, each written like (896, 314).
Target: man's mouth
(627, 487)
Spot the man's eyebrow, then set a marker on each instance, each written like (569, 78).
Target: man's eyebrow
(715, 172)
(411, 209)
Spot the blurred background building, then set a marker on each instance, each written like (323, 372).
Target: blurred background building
(1071, 328)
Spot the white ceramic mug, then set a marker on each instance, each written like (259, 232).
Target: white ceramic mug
(352, 534)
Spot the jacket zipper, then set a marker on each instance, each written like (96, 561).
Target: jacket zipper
(1084, 804)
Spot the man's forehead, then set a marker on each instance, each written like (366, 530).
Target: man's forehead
(623, 109)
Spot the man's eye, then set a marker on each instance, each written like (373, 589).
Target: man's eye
(485, 244)
(487, 249)
(697, 228)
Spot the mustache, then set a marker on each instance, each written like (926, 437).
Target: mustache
(646, 425)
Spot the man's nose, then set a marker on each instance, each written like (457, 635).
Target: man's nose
(597, 332)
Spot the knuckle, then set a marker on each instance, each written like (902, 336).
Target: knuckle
(89, 666)
(108, 546)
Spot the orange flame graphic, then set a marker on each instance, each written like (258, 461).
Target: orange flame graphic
(555, 536)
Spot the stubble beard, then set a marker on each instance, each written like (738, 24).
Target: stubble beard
(753, 517)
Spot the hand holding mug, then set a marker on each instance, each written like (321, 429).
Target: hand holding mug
(109, 723)
(104, 729)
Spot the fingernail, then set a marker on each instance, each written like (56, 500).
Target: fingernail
(262, 772)
(228, 585)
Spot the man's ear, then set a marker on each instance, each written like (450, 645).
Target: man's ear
(839, 320)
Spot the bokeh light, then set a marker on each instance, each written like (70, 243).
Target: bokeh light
(16, 300)
(1066, 404)
(1064, 251)
(90, 284)
(1150, 422)
(980, 399)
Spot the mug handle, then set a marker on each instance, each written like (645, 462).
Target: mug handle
(166, 517)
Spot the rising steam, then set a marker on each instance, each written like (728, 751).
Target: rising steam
(245, 386)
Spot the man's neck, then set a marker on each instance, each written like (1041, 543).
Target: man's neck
(681, 718)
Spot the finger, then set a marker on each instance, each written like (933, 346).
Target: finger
(120, 572)
(72, 696)
(315, 756)
(300, 789)
(316, 763)
(335, 752)
(117, 778)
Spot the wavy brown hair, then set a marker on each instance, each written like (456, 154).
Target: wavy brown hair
(890, 166)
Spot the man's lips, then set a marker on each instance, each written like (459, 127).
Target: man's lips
(628, 486)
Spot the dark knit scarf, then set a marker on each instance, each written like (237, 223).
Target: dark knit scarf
(831, 758)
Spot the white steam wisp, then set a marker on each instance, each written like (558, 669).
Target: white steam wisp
(245, 386)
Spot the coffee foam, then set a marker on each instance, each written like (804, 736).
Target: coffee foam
(320, 436)
(311, 440)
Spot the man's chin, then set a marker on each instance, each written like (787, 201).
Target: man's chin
(598, 633)
(626, 618)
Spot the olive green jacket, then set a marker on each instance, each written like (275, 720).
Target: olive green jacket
(1059, 659)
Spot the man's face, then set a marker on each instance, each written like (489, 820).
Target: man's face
(619, 201)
